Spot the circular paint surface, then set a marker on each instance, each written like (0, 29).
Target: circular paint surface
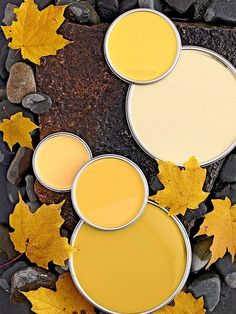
(109, 192)
(189, 113)
(142, 46)
(135, 269)
(58, 158)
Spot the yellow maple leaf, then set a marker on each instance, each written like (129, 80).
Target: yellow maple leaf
(185, 303)
(67, 299)
(183, 188)
(38, 234)
(17, 129)
(34, 31)
(221, 224)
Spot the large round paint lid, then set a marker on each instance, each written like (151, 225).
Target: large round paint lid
(189, 113)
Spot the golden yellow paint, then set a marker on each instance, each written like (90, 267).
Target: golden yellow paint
(110, 192)
(142, 46)
(134, 269)
(58, 159)
(189, 113)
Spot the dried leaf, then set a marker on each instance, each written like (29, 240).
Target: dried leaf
(17, 129)
(185, 303)
(183, 188)
(34, 31)
(66, 299)
(220, 223)
(38, 234)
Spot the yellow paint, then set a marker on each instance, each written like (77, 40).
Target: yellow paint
(134, 269)
(58, 159)
(189, 113)
(142, 46)
(110, 192)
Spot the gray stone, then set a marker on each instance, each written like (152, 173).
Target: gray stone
(29, 179)
(13, 57)
(33, 206)
(19, 165)
(198, 9)
(28, 279)
(227, 304)
(228, 170)
(207, 285)
(59, 270)
(158, 5)
(13, 192)
(201, 253)
(155, 185)
(7, 275)
(227, 268)
(221, 11)
(21, 82)
(38, 103)
(126, 5)
(4, 285)
(65, 2)
(180, 6)
(3, 57)
(6, 246)
(8, 109)
(107, 9)
(191, 216)
(212, 174)
(149, 4)
(82, 12)
(222, 191)
(10, 16)
(42, 4)
(3, 94)
(5, 153)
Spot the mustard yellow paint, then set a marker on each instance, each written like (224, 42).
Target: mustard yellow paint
(58, 159)
(141, 46)
(189, 113)
(134, 269)
(109, 192)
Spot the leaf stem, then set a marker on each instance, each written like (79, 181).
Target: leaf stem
(12, 261)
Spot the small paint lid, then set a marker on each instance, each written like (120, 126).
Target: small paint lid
(109, 192)
(142, 46)
(58, 158)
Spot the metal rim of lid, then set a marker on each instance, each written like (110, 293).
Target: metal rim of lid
(39, 145)
(218, 58)
(174, 294)
(108, 59)
(131, 163)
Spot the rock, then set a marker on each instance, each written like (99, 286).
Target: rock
(4, 285)
(13, 57)
(10, 16)
(19, 165)
(228, 170)
(30, 278)
(155, 185)
(212, 174)
(6, 307)
(6, 246)
(126, 5)
(227, 302)
(198, 9)
(29, 179)
(201, 253)
(148, 4)
(221, 11)
(38, 103)
(7, 275)
(222, 191)
(6, 156)
(82, 12)
(191, 216)
(3, 57)
(8, 109)
(158, 5)
(107, 9)
(65, 2)
(180, 6)
(33, 206)
(21, 82)
(207, 285)
(59, 270)
(13, 192)
(3, 94)
(42, 4)
(227, 269)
